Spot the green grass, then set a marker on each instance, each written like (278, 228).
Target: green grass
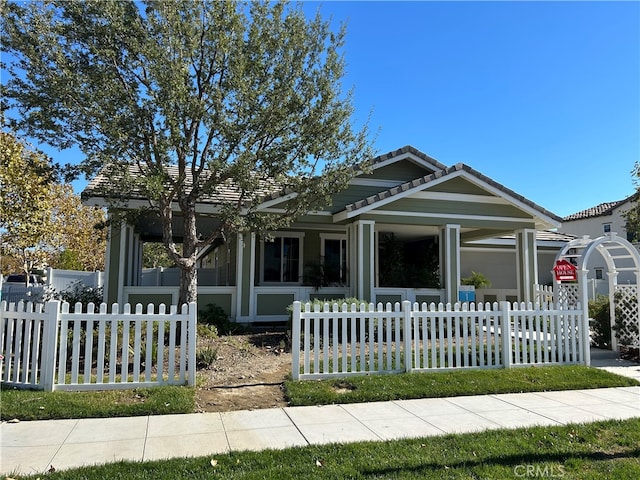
(602, 450)
(372, 388)
(38, 405)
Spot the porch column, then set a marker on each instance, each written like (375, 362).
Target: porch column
(245, 276)
(122, 263)
(526, 263)
(450, 261)
(360, 235)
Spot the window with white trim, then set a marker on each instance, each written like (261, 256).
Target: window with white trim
(606, 228)
(333, 250)
(282, 258)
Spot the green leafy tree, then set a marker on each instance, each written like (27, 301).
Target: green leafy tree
(78, 238)
(632, 216)
(193, 98)
(26, 176)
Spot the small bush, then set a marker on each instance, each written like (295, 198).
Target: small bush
(215, 316)
(205, 356)
(207, 331)
(601, 324)
(78, 292)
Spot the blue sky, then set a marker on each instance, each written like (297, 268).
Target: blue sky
(542, 97)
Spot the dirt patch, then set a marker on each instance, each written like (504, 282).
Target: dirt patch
(248, 373)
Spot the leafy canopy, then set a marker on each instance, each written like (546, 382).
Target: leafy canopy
(42, 222)
(179, 101)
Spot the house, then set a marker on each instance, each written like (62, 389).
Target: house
(409, 229)
(603, 219)
(599, 220)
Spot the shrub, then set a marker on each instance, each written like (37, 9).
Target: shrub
(601, 324)
(215, 316)
(205, 356)
(78, 292)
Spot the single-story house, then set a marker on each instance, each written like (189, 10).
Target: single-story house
(409, 229)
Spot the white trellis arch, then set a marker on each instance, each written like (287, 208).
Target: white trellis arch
(619, 256)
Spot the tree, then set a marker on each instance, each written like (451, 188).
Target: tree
(195, 97)
(79, 237)
(632, 216)
(25, 179)
(43, 222)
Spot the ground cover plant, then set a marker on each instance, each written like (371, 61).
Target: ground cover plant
(598, 450)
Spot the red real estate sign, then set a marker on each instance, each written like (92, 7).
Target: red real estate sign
(565, 271)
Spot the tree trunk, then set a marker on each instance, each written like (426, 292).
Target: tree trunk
(188, 285)
(188, 270)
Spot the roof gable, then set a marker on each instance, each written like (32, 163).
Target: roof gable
(463, 184)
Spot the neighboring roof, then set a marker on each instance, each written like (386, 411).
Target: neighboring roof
(606, 208)
(370, 202)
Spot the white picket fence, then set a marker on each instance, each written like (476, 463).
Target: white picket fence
(366, 339)
(49, 347)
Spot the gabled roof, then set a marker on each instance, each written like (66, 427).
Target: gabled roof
(460, 169)
(407, 152)
(606, 208)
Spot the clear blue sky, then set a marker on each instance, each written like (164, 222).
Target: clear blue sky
(542, 97)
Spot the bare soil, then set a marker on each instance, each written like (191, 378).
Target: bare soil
(248, 372)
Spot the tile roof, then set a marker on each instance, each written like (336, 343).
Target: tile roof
(597, 211)
(408, 149)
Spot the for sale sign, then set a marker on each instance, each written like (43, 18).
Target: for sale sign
(565, 271)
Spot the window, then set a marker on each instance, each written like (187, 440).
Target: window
(599, 275)
(281, 259)
(607, 227)
(334, 258)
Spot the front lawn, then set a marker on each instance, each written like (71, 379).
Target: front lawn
(38, 405)
(373, 388)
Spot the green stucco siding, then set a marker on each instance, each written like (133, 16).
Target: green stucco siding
(459, 185)
(221, 300)
(458, 208)
(384, 299)
(273, 303)
(147, 298)
(403, 171)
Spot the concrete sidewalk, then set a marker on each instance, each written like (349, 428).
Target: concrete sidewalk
(33, 447)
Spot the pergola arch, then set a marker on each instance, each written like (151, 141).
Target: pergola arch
(619, 256)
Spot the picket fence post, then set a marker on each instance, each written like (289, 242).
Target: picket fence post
(506, 334)
(192, 335)
(50, 344)
(408, 336)
(295, 341)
